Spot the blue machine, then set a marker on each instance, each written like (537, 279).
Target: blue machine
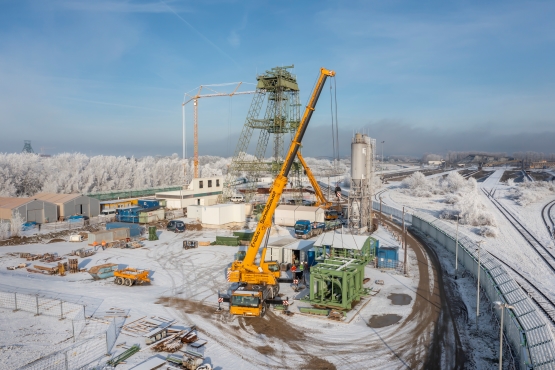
(148, 203)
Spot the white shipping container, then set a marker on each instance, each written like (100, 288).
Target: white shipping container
(312, 214)
(273, 254)
(285, 215)
(194, 212)
(99, 236)
(282, 250)
(222, 214)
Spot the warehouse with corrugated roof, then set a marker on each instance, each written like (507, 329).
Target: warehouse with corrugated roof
(30, 209)
(72, 204)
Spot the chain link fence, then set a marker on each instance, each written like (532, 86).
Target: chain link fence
(90, 346)
(83, 355)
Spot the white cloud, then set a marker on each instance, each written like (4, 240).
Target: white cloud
(233, 39)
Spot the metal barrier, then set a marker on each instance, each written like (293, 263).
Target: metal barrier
(82, 355)
(525, 327)
(395, 212)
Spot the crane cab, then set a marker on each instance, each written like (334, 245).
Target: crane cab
(250, 300)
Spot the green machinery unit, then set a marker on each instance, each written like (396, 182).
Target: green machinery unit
(337, 280)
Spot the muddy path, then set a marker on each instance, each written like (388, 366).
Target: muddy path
(445, 350)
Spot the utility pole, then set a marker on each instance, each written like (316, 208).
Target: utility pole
(383, 142)
(404, 243)
(478, 284)
(457, 250)
(381, 214)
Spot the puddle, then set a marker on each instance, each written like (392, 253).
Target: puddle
(400, 299)
(382, 321)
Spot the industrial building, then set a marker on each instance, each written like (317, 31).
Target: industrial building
(29, 209)
(286, 215)
(72, 204)
(202, 191)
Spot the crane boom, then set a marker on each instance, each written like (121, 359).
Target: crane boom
(281, 179)
(322, 201)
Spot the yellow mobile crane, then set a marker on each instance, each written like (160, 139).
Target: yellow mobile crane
(260, 283)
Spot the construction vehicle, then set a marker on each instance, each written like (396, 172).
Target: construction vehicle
(305, 229)
(262, 281)
(321, 201)
(130, 276)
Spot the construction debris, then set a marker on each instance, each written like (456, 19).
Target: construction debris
(73, 265)
(124, 355)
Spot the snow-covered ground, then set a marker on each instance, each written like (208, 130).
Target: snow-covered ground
(508, 242)
(184, 286)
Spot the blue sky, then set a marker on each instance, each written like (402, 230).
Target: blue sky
(108, 77)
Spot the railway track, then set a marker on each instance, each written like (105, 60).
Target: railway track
(546, 216)
(377, 195)
(540, 249)
(546, 305)
(470, 174)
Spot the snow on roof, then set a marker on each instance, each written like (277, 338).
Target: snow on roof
(291, 243)
(56, 198)
(284, 207)
(336, 239)
(11, 203)
(308, 208)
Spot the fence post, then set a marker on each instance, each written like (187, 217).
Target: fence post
(73, 330)
(15, 299)
(107, 349)
(67, 365)
(37, 300)
(61, 310)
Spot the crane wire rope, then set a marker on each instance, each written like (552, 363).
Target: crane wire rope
(332, 125)
(336, 120)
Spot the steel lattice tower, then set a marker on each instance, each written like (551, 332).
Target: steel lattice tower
(27, 147)
(278, 90)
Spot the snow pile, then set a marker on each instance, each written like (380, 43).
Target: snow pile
(489, 231)
(4, 230)
(418, 185)
(530, 192)
(461, 194)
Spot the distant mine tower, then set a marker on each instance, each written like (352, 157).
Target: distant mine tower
(278, 90)
(360, 195)
(27, 148)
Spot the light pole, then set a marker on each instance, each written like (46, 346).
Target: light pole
(457, 249)
(478, 284)
(502, 306)
(383, 142)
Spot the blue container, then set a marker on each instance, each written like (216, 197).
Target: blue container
(134, 229)
(148, 203)
(310, 258)
(388, 257)
(128, 214)
(103, 271)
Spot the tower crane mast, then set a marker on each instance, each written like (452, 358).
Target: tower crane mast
(194, 98)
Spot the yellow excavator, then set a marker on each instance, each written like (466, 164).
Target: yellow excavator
(259, 284)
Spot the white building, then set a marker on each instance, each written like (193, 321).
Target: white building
(218, 214)
(286, 215)
(287, 250)
(203, 191)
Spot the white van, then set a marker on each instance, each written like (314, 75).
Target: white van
(237, 198)
(108, 212)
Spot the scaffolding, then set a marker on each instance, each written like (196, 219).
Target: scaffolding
(278, 91)
(27, 148)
